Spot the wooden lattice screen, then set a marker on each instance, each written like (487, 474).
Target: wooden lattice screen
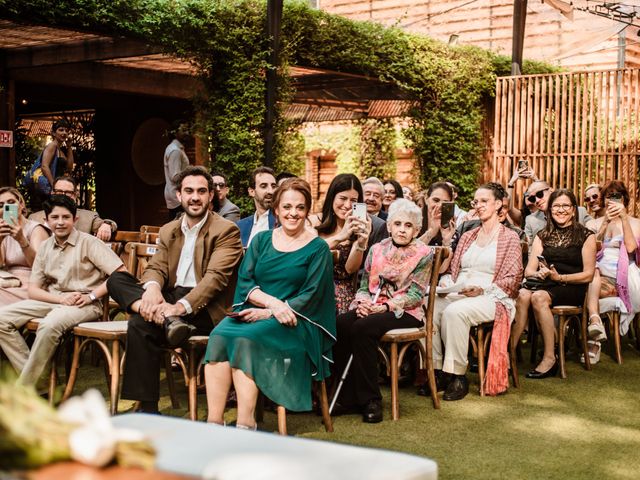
(573, 128)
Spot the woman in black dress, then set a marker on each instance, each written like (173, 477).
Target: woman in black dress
(569, 251)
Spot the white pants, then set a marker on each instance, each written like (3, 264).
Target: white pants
(453, 317)
(55, 321)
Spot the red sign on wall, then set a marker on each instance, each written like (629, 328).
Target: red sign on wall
(6, 138)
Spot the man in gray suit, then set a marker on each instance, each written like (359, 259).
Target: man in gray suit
(228, 210)
(539, 193)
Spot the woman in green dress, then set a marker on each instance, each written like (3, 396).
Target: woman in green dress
(282, 329)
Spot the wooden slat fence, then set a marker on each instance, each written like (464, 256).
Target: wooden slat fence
(573, 128)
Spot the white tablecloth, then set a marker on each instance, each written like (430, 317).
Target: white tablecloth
(225, 453)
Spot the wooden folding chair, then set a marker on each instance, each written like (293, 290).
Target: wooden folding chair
(149, 233)
(405, 337)
(324, 406)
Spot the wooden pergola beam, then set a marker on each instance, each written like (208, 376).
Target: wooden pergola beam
(74, 52)
(111, 78)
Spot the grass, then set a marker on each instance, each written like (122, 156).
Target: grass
(584, 427)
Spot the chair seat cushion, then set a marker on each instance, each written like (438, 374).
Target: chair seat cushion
(403, 335)
(118, 326)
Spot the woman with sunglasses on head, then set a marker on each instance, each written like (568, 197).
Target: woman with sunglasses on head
(592, 200)
(432, 232)
(561, 265)
(617, 273)
(345, 233)
(19, 242)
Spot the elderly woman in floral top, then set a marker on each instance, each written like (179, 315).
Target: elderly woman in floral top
(396, 275)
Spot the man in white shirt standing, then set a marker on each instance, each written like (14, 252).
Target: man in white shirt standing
(185, 290)
(263, 184)
(175, 161)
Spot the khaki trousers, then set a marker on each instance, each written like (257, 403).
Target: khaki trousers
(453, 317)
(55, 321)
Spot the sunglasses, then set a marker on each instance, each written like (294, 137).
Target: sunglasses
(219, 185)
(540, 194)
(592, 198)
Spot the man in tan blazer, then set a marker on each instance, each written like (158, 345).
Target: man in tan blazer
(185, 290)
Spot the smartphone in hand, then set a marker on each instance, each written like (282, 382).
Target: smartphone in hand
(523, 165)
(542, 261)
(446, 213)
(360, 211)
(615, 197)
(10, 213)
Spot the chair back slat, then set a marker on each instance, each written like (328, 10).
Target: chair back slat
(439, 256)
(139, 256)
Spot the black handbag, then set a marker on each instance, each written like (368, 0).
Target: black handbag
(533, 283)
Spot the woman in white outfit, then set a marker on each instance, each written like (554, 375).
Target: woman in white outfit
(486, 271)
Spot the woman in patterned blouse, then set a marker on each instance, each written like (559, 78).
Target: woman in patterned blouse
(396, 275)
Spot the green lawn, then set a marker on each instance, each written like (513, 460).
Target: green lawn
(587, 426)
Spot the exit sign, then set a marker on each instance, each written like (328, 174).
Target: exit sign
(6, 138)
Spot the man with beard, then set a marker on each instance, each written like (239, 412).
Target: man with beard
(261, 188)
(185, 290)
(373, 191)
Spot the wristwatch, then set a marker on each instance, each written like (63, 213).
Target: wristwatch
(92, 297)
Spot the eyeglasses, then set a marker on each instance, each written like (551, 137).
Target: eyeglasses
(592, 198)
(540, 194)
(68, 193)
(563, 207)
(219, 185)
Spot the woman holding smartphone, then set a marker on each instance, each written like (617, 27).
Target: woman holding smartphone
(19, 242)
(617, 273)
(569, 253)
(433, 232)
(346, 233)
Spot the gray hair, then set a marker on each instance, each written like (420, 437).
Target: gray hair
(375, 181)
(407, 207)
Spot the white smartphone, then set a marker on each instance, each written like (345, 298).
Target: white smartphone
(360, 211)
(10, 213)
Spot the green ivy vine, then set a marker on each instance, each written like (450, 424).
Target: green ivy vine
(225, 41)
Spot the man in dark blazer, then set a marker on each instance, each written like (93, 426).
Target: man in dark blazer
(185, 290)
(261, 187)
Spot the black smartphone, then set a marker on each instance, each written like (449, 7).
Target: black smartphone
(615, 197)
(446, 213)
(542, 261)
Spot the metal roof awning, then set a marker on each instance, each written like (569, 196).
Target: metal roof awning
(58, 56)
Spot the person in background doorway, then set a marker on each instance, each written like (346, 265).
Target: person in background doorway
(175, 161)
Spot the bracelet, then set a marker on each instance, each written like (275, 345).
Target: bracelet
(92, 296)
(359, 249)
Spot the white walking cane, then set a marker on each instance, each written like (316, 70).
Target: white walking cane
(382, 282)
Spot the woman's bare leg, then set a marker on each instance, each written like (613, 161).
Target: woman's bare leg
(247, 393)
(217, 377)
(541, 303)
(522, 315)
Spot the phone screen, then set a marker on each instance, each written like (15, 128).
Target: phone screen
(446, 212)
(615, 197)
(10, 213)
(523, 165)
(360, 211)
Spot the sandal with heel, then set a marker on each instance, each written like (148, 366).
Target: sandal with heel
(595, 330)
